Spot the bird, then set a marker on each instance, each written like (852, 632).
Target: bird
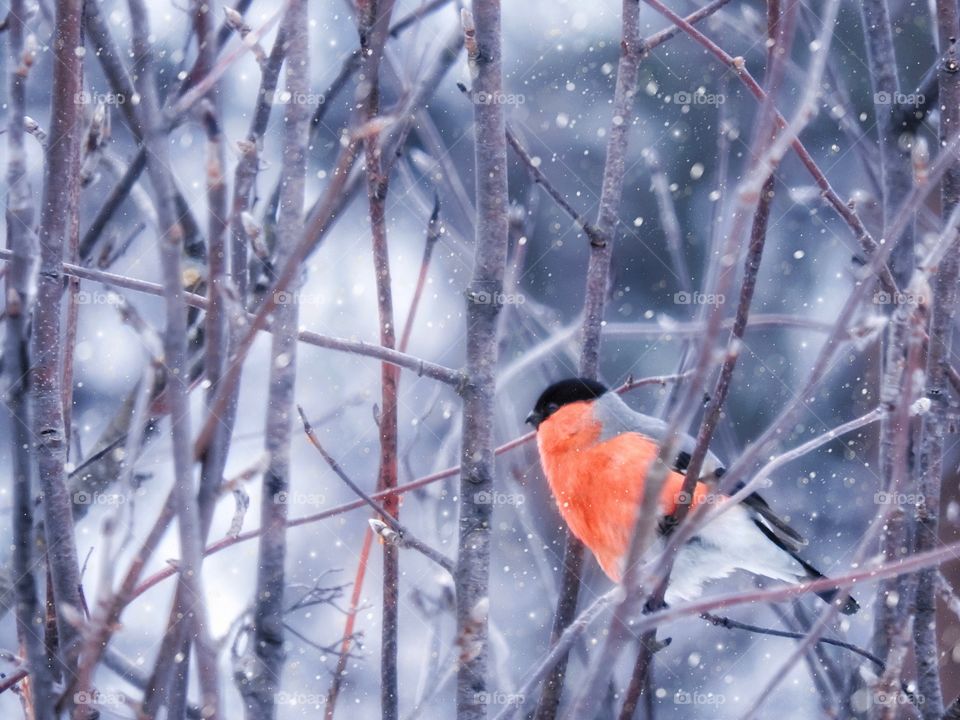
(595, 452)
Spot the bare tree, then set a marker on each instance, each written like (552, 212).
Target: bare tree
(242, 210)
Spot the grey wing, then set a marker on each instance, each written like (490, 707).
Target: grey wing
(618, 417)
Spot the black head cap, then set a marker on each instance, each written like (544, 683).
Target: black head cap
(563, 393)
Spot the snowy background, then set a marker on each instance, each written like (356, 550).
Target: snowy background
(560, 67)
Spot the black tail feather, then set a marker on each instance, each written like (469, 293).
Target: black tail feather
(828, 596)
(849, 607)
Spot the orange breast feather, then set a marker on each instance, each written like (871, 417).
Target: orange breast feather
(598, 485)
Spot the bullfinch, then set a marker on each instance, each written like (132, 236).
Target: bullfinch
(595, 453)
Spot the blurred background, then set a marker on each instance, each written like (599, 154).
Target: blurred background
(688, 145)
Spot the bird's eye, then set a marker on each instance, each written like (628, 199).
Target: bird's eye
(552, 408)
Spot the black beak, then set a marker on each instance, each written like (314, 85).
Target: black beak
(533, 419)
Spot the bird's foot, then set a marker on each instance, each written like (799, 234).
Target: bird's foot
(656, 644)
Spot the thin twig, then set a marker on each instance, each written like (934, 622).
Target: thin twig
(541, 179)
(730, 624)
(248, 167)
(175, 357)
(389, 529)
(842, 208)
(434, 230)
(388, 517)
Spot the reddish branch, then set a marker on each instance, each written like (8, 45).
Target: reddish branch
(373, 26)
(433, 234)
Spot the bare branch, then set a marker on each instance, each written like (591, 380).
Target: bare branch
(58, 211)
(654, 619)
(421, 367)
(263, 680)
(934, 428)
(16, 363)
(843, 209)
(483, 42)
(597, 286)
(175, 357)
